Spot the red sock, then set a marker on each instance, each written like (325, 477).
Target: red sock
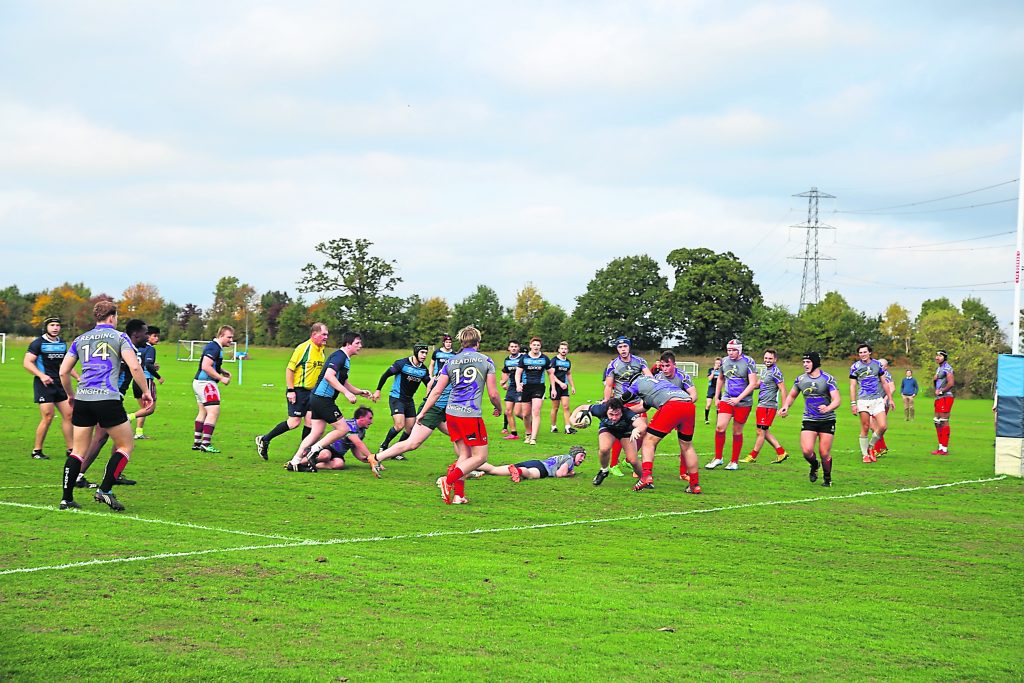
(944, 436)
(648, 469)
(460, 488)
(682, 465)
(454, 475)
(198, 434)
(780, 450)
(737, 446)
(695, 478)
(616, 449)
(880, 444)
(753, 454)
(719, 444)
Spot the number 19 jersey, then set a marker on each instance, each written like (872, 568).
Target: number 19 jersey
(467, 375)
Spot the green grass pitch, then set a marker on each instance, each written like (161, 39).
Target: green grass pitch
(225, 567)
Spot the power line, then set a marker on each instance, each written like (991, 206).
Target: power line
(928, 251)
(929, 201)
(939, 244)
(968, 286)
(951, 208)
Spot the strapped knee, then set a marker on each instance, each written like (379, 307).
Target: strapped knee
(939, 421)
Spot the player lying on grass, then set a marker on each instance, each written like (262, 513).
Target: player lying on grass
(556, 466)
(618, 425)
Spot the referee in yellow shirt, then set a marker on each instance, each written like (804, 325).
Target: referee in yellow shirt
(299, 377)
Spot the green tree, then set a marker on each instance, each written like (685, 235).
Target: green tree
(833, 328)
(271, 305)
(528, 308)
(70, 303)
(483, 309)
(712, 298)
(896, 329)
(974, 363)
(984, 326)
(433, 318)
(551, 326)
(769, 327)
(234, 303)
(624, 297)
(15, 311)
(293, 324)
(932, 305)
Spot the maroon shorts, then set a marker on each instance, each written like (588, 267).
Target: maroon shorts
(471, 430)
(765, 416)
(944, 404)
(739, 413)
(677, 415)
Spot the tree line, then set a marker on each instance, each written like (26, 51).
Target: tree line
(712, 298)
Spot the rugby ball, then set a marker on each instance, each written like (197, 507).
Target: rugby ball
(580, 418)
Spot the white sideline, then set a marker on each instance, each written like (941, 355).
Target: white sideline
(496, 530)
(186, 525)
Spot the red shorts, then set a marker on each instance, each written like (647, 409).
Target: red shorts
(677, 415)
(944, 404)
(765, 416)
(638, 408)
(739, 413)
(469, 429)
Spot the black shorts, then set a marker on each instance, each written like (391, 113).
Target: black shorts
(301, 405)
(559, 393)
(402, 406)
(535, 465)
(106, 414)
(323, 408)
(512, 396)
(711, 391)
(48, 394)
(150, 384)
(532, 391)
(617, 433)
(820, 426)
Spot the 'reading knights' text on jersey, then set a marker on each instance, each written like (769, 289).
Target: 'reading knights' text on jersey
(768, 393)
(99, 351)
(467, 375)
(817, 392)
(737, 377)
(869, 377)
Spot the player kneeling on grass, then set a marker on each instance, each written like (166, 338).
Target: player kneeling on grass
(676, 412)
(618, 424)
(556, 466)
(332, 457)
(821, 398)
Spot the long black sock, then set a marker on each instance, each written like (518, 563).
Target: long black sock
(280, 429)
(72, 466)
(115, 466)
(826, 466)
(392, 433)
(707, 411)
(504, 422)
(305, 431)
(405, 435)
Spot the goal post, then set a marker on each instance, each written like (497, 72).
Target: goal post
(690, 368)
(3, 347)
(190, 350)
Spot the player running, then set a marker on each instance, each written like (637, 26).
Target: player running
(735, 390)
(821, 398)
(771, 386)
(557, 466)
(618, 425)
(512, 396)
(300, 377)
(944, 381)
(441, 355)
(333, 456)
(150, 368)
(562, 387)
(870, 401)
(533, 366)
(102, 350)
(623, 369)
(207, 393)
(470, 373)
(42, 360)
(409, 374)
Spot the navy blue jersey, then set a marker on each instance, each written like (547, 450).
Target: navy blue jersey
(511, 363)
(340, 363)
(408, 378)
(534, 369)
(211, 350)
(124, 380)
(561, 367)
(147, 355)
(600, 411)
(49, 355)
(440, 357)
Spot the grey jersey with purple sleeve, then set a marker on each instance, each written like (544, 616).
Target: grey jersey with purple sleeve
(99, 351)
(869, 377)
(624, 371)
(656, 392)
(942, 373)
(817, 392)
(467, 375)
(768, 394)
(736, 374)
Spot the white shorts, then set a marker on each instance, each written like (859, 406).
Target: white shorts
(207, 392)
(871, 406)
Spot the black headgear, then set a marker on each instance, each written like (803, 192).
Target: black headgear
(945, 356)
(420, 346)
(815, 359)
(576, 450)
(51, 319)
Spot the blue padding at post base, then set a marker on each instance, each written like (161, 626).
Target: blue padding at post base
(1010, 417)
(1010, 375)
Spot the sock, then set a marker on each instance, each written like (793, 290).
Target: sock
(72, 466)
(138, 431)
(504, 422)
(873, 440)
(454, 475)
(392, 433)
(864, 445)
(277, 431)
(695, 478)
(881, 443)
(647, 470)
(616, 449)
(812, 459)
(737, 446)
(682, 465)
(460, 488)
(719, 444)
(753, 454)
(198, 435)
(405, 435)
(826, 466)
(514, 433)
(114, 468)
(207, 434)
(306, 431)
(707, 411)
(131, 416)
(944, 436)
(780, 450)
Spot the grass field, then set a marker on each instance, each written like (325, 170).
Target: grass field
(225, 567)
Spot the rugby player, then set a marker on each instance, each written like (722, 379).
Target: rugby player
(889, 405)
(426, 423)
(944, 381)
(676, 412)
(409, 374)
(557, 466)
(512, 397)
(147, 357)
(669, 372)
(323, 409)
(624, 368)
(533, 366)
(102, 351)
(735, 391)
(470, 373)
(333, 456)
(771, 386)
(300, 376)
(618, 425)
(42, 360)
(441, 355)
(562, 387)
(206, 391)
(870, 401)
(821, 398)
(713, 374)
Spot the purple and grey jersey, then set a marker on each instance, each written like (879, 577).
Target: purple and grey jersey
(942, 388)
(100, 350)
(869, 377)
(624, 371)
(768, 394)
(555, 462)
(817, 392)
(343, 445)
(737, 377)
(680, 379)
(656, 392)
(467, 374)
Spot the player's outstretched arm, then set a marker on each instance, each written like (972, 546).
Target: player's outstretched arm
(784, 411)
(492, 393)
(67, 367)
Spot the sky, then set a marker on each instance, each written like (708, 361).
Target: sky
(505, 143)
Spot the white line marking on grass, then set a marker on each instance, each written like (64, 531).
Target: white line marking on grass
(496, 530)
(30, 486)
(185, 525)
